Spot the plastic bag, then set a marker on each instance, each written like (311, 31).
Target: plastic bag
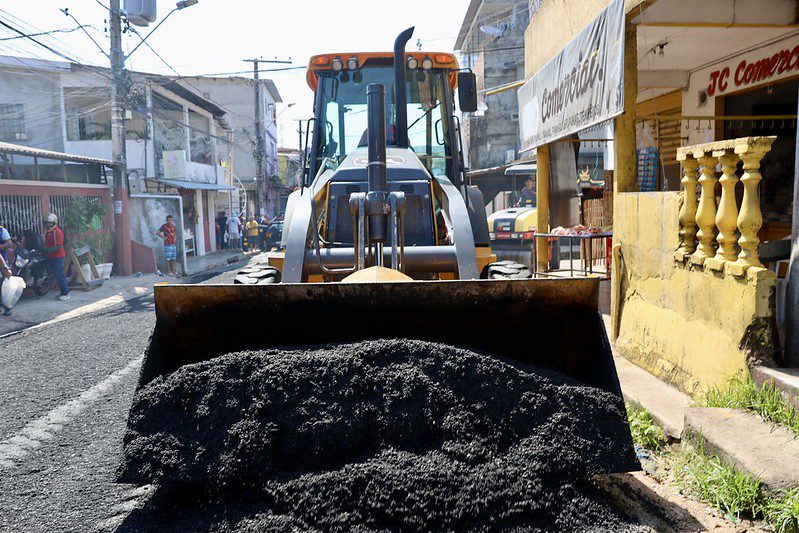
(11, 291)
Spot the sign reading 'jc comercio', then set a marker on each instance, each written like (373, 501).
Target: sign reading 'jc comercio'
(580, 87)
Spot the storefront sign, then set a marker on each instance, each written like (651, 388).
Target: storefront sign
(581, 87)
(751, 72)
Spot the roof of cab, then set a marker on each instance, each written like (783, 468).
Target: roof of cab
(323, 62)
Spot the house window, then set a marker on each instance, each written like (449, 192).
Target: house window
(89, 115)
(12, 122)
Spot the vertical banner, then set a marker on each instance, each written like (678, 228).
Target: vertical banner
(580, 87)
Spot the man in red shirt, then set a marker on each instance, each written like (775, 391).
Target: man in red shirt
(55, 253)
(167, 233)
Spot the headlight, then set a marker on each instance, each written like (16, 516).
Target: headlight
(427, 63)
(413, 63)
(352, 63)
(337, 64)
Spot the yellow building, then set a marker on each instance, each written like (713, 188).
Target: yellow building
(710, 88)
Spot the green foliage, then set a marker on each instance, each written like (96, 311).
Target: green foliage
(717, 484)
(782, 512)
(83, 225)
(645, 432)
(767, 401)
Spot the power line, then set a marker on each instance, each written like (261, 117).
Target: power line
(31, 38)
(50, 32)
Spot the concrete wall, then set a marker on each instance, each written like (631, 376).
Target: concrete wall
(39, 92)
(146, 216)
(543, 39)
(692, 328)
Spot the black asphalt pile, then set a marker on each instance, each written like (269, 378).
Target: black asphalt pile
(374, 435)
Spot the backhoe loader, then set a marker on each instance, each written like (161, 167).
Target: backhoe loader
(386, 239)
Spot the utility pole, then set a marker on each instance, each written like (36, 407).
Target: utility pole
(260, 143)
(261, 180)
(122, 246)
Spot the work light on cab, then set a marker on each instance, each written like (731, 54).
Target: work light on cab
(337, 65)
(413, 63)
(427, 63)
(352, 63)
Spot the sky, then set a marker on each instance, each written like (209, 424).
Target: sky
(215, 36)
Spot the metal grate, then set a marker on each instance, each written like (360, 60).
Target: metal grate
(60, 204)
(20, 213)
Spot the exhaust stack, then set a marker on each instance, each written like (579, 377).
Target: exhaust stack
(400, 87)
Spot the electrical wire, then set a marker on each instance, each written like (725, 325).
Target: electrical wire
(31, 38)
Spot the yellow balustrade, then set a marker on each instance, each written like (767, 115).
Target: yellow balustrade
(727, 214)
(706, 212)
(717, 229)
(751, 217)
(688, 208)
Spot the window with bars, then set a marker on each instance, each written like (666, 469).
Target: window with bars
(12, 122)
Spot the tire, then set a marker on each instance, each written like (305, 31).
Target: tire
(43, 282)
(507, 270)
(257, 275)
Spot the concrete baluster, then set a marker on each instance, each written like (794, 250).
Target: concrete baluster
(750, 218)
(727, 215)
(706, 213)
(688, 209)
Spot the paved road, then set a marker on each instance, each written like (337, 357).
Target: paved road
(66, 390)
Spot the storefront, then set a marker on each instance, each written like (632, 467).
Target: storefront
(703, 177)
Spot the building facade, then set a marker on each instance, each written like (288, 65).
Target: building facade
(172, 145)
(237, 96)
(702, 166)
(491, 43)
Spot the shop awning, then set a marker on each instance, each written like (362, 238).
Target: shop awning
(522, 168)
(197, 186)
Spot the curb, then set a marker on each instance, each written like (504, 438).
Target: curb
(743, 440)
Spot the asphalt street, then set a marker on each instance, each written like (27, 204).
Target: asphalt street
(66, 390)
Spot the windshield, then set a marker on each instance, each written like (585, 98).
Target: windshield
(342, 121)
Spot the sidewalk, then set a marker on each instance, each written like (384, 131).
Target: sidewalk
(30, 310)
(738, 437)
(210, 261)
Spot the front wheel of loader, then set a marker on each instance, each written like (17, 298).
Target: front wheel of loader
(257, 275)
(506, 270)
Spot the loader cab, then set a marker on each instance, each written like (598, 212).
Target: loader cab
(340, 108)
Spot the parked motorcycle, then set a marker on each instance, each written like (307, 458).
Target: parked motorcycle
(31, 264)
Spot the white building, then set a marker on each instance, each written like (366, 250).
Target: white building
(171, 141)
(237, 96)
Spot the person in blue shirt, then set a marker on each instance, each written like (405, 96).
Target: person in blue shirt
(527, 195)
(6, 244)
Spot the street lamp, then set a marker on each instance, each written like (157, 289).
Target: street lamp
(182, 4)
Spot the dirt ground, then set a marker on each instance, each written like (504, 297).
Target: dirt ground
(654, 497)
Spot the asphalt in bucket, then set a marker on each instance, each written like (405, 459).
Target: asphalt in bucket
(392, 434)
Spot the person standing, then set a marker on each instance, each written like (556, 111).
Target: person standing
(6, 244)
(252, 233)
(234, 231)
(167, 233)
(5, 273)
(55, 254)
(221, 228)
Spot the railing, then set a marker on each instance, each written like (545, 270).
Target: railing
(721, 236)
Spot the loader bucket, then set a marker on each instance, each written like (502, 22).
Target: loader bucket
(553, 324)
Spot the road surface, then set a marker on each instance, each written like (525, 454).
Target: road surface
(66, 390)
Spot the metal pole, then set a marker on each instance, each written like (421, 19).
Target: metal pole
(122, 246)
(792, 289)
